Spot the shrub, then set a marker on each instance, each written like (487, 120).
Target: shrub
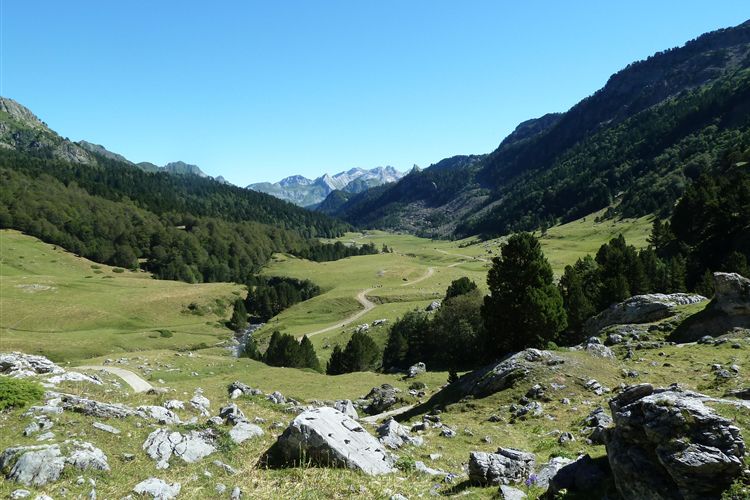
(165, 334)
(17, 393)
(118, 270)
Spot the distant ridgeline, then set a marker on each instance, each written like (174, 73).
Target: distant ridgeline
(635, 144)
(185, 227)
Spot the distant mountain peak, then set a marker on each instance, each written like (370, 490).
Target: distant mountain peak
(306, 192)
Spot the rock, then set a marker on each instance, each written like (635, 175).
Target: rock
(47, 436)
(600, 351)
(531, 409)
(105, 428)
(511, 493)
(236, 393)
(200, 403)
(74, 377)
(18, 364)
(243, 389)
(416, 369)
(433, 306)
(381, 399)
(236, 493)
(40, 423)
(277, 398)
(505, 466)
(158, 413)
(174, 404)
(500, 375)
(232, 414)
(398, 496)
(594, 386)
(15, 494)
(220, 489)
(667, 443)
(565, 438)
(583, 477)
(447, 432)
(327, 437)
(346, 407)
(42, 464)
(732, 294)
(420, 466)
(613, 339)
(394, 435)
(162, 444)
(94, 408)
(157, 489)
(242, 431)
(225, 467)
(640, 309)
(549, 470)
(596, 424)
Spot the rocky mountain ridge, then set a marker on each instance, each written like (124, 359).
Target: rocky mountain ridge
(306, 192)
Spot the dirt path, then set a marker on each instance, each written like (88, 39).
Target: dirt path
(374, 419)
(362, 299)
(428, 274)
(470, 257)
(130, 378)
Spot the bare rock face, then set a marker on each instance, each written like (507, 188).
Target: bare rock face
(162, 444)
(94, 408)
(328, 438)
(43, 464)
(506, 466)
(640, 309)
(18, 364)
(732, 293)
(667, 444)
(416, 369)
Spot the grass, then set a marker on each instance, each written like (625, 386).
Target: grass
(53, 303)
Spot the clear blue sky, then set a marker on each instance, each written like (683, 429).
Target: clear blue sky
(260, 90)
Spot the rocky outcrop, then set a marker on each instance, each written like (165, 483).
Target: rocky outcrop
(39, 465)
(729, 309)
(242, 431)
(346, 407)
(506, 466)
(667, 444)
(328, 438)
(394, 435)
(162, 444)
(74, 377)
(94, 408)
(503, 374)
(584, 476)
(640, 309)
(596, 424)
(18, 364)
(157, 489)
(381, 399)
(416, 369)
(237, 389)
(160, 414)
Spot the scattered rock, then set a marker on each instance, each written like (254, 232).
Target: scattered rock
(277, 398)
(433, 306)
(15, 494)
(157, 489)
(236, 493)
(565, 438)
(42, 464)
(201, 403)
(41, 423)
(381, 399)
(346, 407)
(158, 413)
(394, 435)
(596, 424)
(531, 409)
(327, 437)
(174, 404)
(162, 444)
(447, 432)
(232, 414)
(18, 364)
(594, 386)
(600, 351)
(667, 443)
(511, 493)
(416, 369)
(583, 476)
(549, 470)
(94, 408)
(242, 431)
(237, 389)
(74, 377)
(420, 466)
(225, 467)
(505, 466)
(106, 428)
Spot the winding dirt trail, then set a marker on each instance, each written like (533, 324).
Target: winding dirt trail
(362, 299)
(469, 257)
(427, 275)
(132, 379)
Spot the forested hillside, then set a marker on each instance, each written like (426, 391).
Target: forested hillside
(637, 143)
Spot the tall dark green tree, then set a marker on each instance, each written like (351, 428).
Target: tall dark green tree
(361, 354)
(524, 308)
(250, 349)
(336, 363)
(308, 355)
(238, 321)
(460, 286)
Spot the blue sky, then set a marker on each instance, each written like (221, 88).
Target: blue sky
(258, 91)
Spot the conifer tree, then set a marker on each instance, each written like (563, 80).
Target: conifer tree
(308, 356)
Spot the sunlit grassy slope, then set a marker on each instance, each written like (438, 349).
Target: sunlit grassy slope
(66, 307)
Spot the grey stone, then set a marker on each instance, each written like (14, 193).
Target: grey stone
(327, 437)
(549, 470)
(667, 443)
(596, 424)
(220, 488)
(511, 493)
(160, 414)
(582, 476)
(242, 431)
(416, 369)
(47, 436)
(162, 444)
(531, 409)
(106, 428)
(225, 467)
(394, 435)
(94, 408)
(447, 432)
(232, 414)
(433, 306)
(505, 466)
(42, 464)
(381, 399)
(157, 489)
(18, 364)
(174, 404)
(236, 493)
(74, 377)
(565, 438)
(40, 423)
(346, 407)
(16, 494)
(600, 351)
(420, 466)
(277, 398)
(200, 403)
(243, 389)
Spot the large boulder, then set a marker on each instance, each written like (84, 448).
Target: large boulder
(381, 399)
(729, 309)
(504, 373)
(394, 435)
(640, 309)
(162, 444)
(328, 438)
(242, 431)
(94, 408)
(667, 444)
(43, 464)
(18, 364)
(416, 369)
(584, 476)
(346, 407)
(506, 466)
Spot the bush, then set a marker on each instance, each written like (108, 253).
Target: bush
(118, 270)
(17, 393)
(165, 334)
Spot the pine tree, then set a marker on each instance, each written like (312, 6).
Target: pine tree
(395, 349)
(336, 364)
(361, 353)
(524, 308)
(460, 286)
(250, 350)
(308, 356)
(238, 320)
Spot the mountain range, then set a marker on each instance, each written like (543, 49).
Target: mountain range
(634, 146)
(310, 192)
